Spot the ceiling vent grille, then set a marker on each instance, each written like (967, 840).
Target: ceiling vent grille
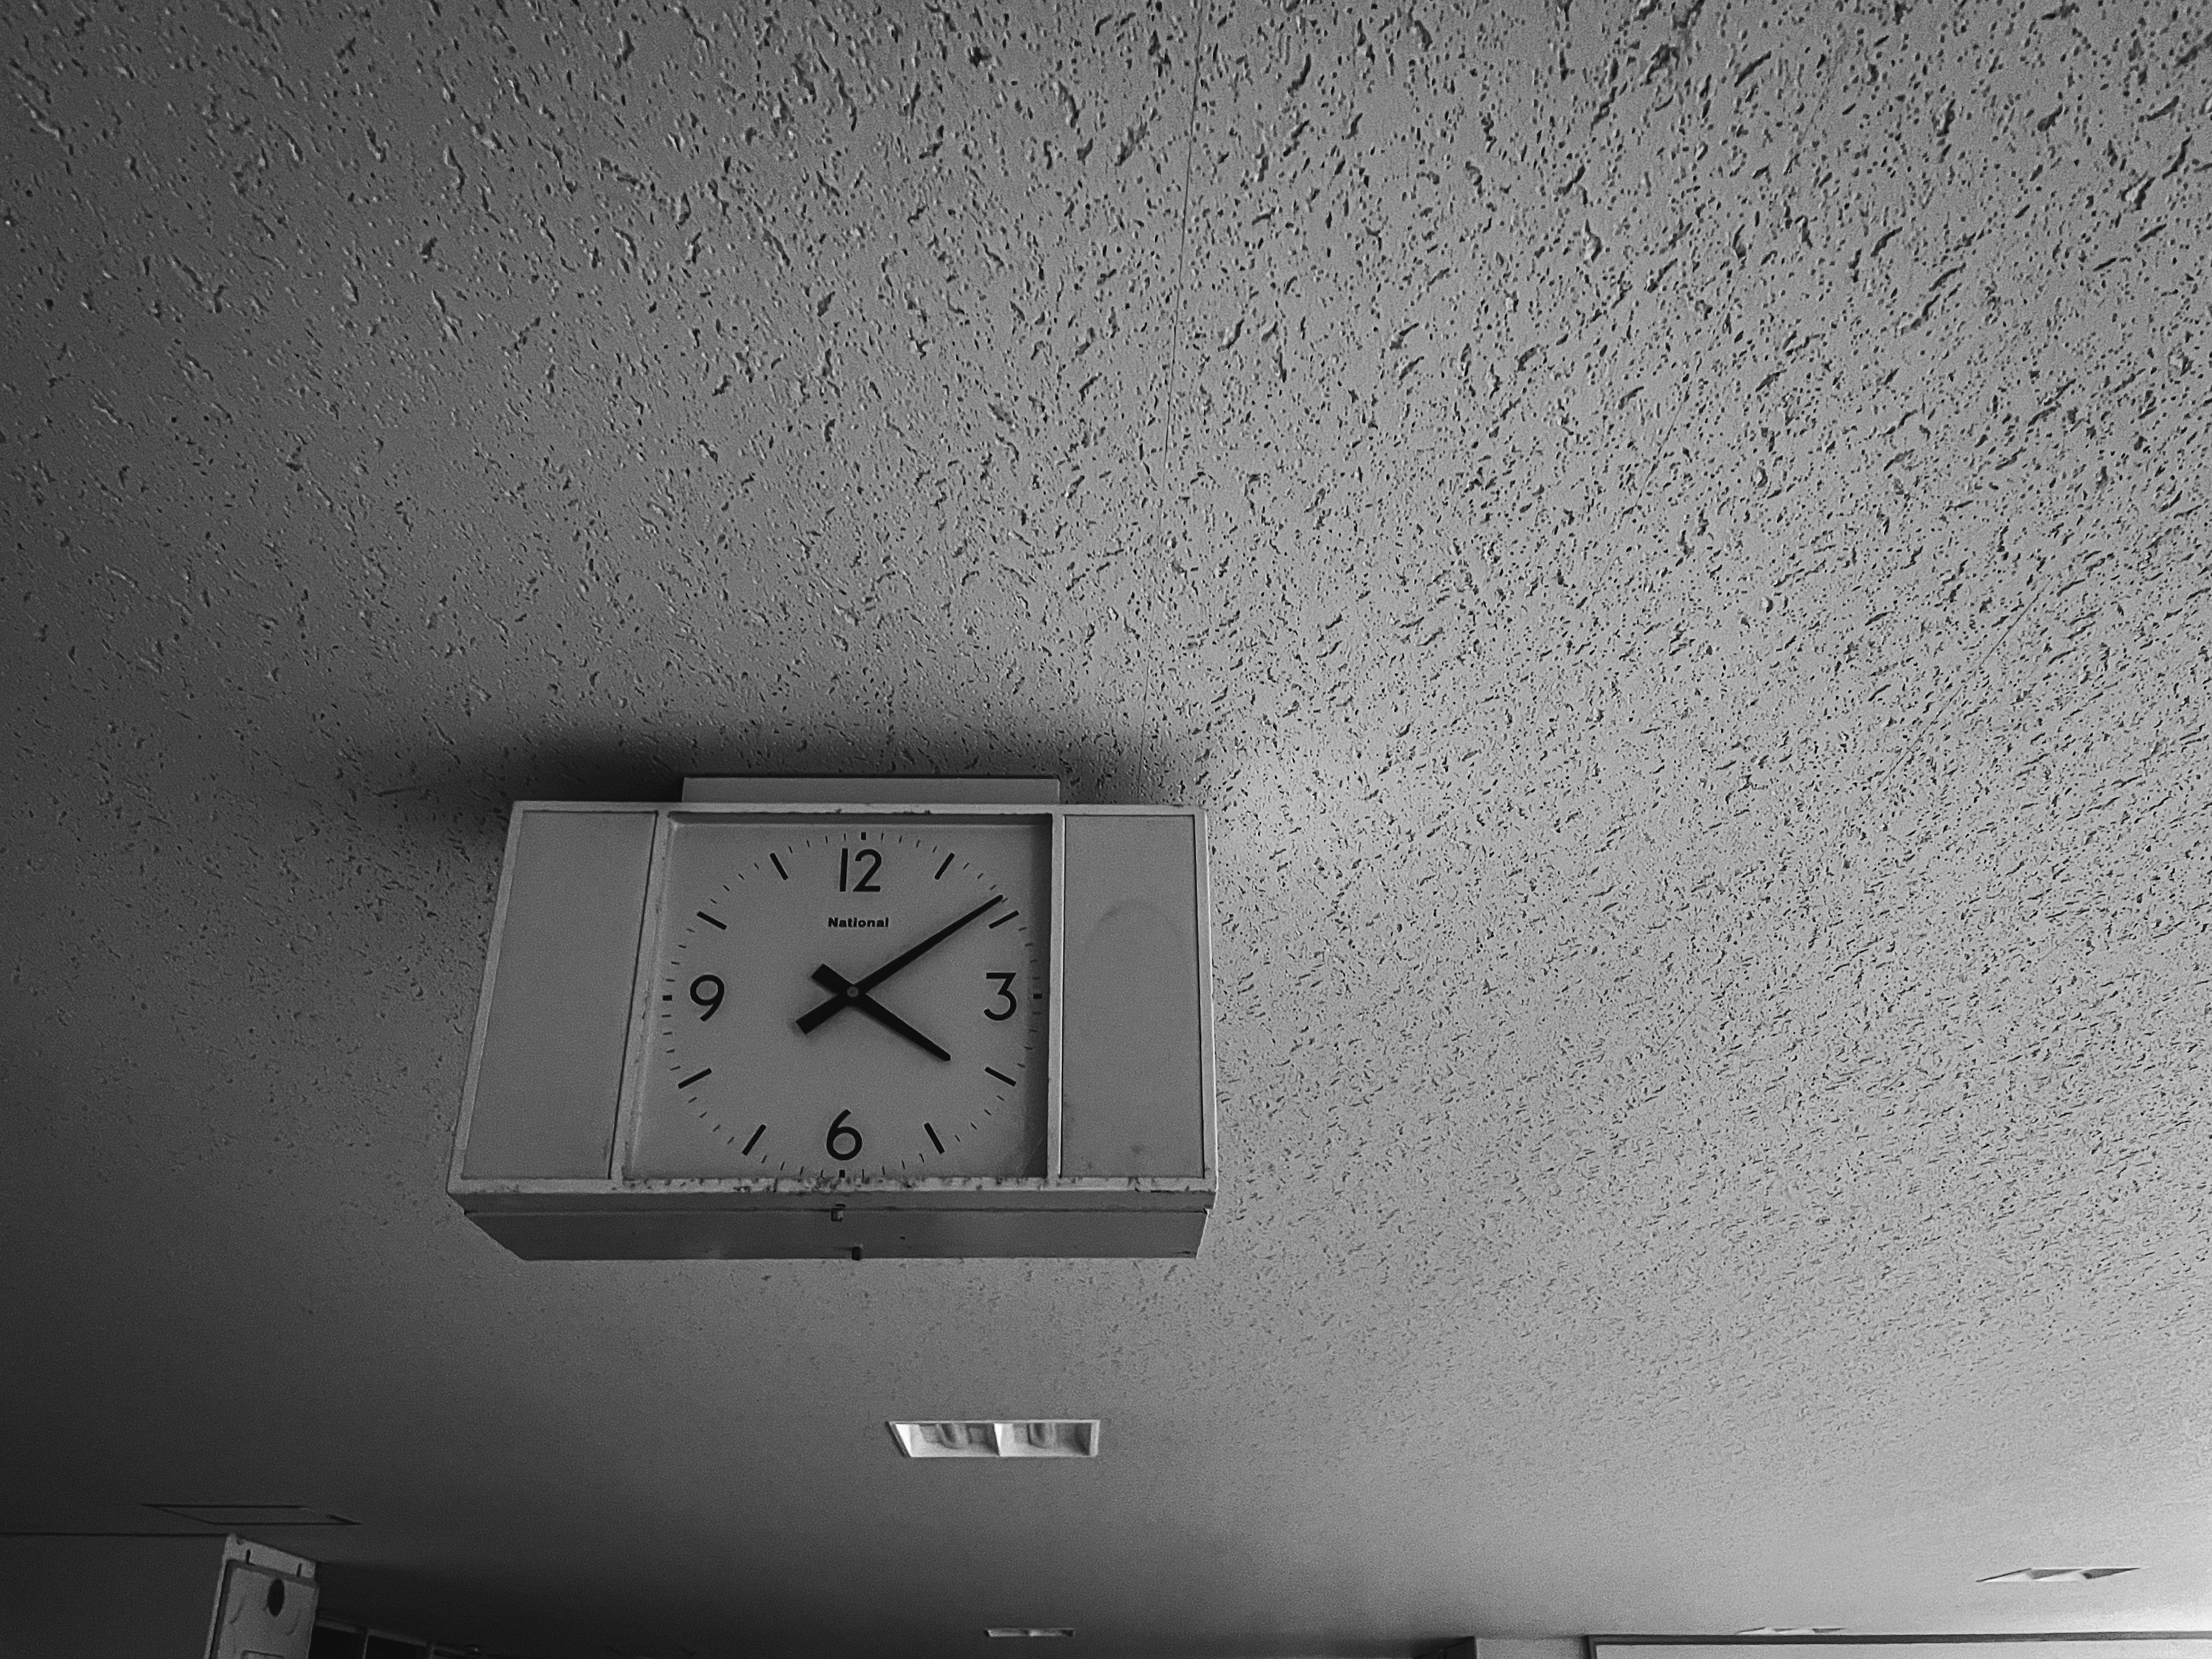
(2053, 1575)
(1020, 1437)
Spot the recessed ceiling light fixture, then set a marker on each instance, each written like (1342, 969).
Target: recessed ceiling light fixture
(1028, 1630)
(2053, 1575)
(1020, 1437)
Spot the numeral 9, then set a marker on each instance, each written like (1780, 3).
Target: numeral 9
(707, 992)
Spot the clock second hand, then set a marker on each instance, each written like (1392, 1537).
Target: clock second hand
(847, 993)
(814, 1017)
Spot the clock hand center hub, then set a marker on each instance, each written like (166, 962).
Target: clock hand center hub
(821, 1012)
(848, 994)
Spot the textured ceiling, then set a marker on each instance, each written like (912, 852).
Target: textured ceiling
(1670, 540)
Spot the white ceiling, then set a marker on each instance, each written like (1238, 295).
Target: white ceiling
(1670, 540)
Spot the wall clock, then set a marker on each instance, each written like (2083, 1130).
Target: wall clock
(922, 1052)
(856, 1017)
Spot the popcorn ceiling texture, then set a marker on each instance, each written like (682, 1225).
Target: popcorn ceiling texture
(1670, 539)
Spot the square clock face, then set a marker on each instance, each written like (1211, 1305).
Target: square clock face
(847, 999)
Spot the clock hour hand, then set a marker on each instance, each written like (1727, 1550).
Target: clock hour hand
(851, 995)
(814, 1017)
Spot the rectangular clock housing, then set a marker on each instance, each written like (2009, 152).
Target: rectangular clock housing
(570, 1145)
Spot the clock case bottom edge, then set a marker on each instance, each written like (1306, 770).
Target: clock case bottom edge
(836, 1231)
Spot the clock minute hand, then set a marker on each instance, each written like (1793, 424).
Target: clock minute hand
(814, 1017)
(928, 944)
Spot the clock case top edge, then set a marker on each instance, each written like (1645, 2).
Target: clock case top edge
(994, 790)
(529, 1192)
(809, 809)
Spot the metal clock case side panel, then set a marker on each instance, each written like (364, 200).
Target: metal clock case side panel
(546, 1068)
(455, 1180)
(1137, 1048)
(1209, 1123)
